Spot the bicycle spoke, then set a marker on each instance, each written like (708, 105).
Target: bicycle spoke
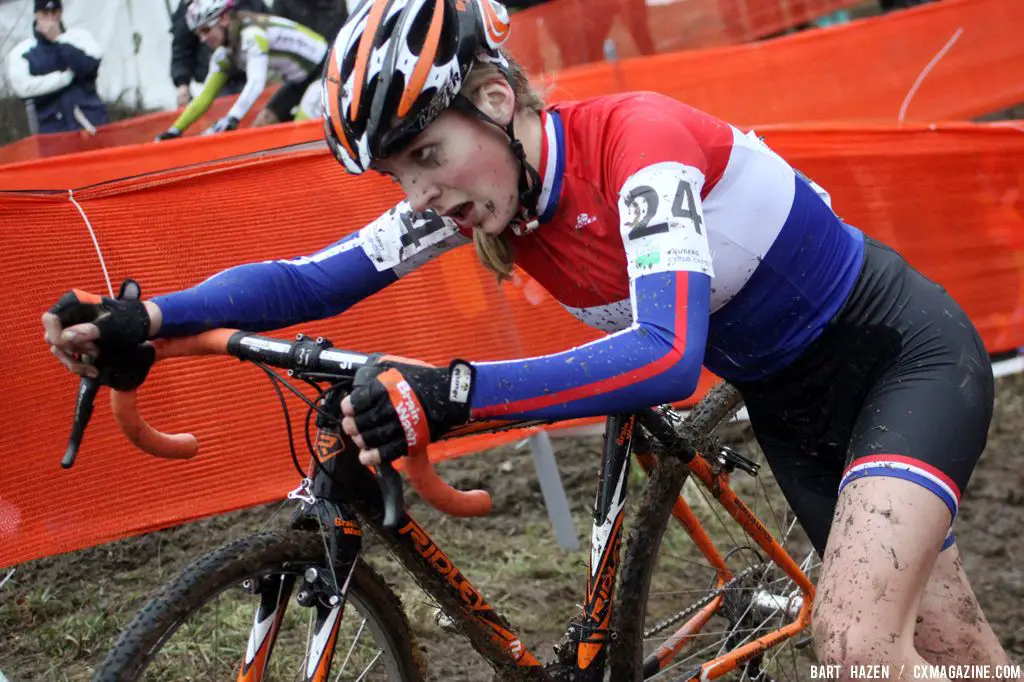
(724, 525)
(212, 642)
(760, 601)
(369, 667)
(216, 633)
(694, 562)
(779, 524)
(348, 654)
(774, 655)
(690, 660)
(267, 524)
(702, 655)
(329, 559)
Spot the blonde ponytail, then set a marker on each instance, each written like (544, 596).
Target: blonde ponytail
(494, 252)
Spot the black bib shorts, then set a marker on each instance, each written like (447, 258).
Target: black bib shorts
(898, 384)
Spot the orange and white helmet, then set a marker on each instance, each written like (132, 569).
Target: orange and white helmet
(396, 65)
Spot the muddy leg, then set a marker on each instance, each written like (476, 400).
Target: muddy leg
(951, 628)
(886, 535)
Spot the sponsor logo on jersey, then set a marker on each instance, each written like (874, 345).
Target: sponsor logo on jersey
(584, 219)
(648, 260)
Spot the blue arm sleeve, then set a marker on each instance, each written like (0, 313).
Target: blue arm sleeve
(657, 360)
(275, 294)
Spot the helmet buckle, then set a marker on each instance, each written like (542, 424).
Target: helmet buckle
(523, 226)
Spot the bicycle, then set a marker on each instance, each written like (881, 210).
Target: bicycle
(620, 632)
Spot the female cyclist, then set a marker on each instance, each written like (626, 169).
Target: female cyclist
(262, 45)
(689, 242)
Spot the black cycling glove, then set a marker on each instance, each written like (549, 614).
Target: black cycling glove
(169, 134)
(222, 125)
(123, 324)
(401, 407)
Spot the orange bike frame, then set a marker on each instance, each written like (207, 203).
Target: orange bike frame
(591, 631)
(715, 478)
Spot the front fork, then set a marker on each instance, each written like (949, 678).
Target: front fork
(319, 588)
(322, 589)
(588, 636)
(591, 633)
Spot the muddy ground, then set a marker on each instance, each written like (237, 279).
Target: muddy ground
(59, 615)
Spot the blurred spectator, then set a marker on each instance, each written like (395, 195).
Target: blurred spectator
(594, 21)
(190, 58)
(322, 16)
(836, 18)
(56, 69)
(634, 15)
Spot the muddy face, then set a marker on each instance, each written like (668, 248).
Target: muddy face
(462, 168)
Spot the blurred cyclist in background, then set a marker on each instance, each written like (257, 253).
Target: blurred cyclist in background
(262, 45)
(190, 57)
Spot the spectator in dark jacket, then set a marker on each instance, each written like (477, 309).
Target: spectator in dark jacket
(56, 68)
(322, 16)
(190, 58)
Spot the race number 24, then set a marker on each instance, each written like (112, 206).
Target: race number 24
(683, 206)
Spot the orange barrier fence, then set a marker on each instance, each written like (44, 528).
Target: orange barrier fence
(562, 33)
(863, 70)
(103, 165)
(951, 198)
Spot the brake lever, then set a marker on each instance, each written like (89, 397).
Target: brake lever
(390, 482)
(88, 387)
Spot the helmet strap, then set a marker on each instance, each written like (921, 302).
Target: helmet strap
(529, 179)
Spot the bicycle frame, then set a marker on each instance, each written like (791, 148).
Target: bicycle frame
(714, 475)
(589, 635)
(346, 494)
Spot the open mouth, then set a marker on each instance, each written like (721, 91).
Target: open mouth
(461, 212)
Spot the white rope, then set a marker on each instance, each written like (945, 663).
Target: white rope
(99, 253)
(926, 71)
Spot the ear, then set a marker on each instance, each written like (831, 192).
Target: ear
(496, 99)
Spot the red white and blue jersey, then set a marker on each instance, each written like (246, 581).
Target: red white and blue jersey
(686, 240)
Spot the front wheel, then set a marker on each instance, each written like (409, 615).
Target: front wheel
(199, 625)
